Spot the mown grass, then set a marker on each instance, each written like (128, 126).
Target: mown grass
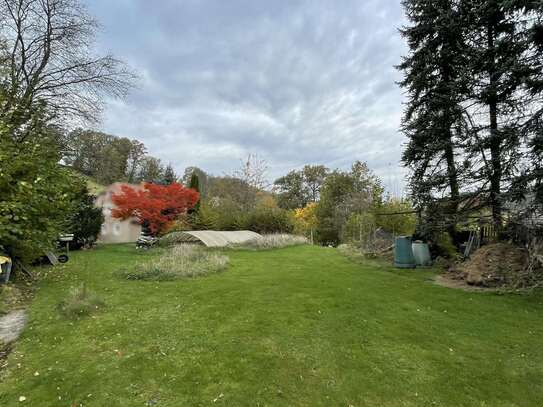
(301, 326)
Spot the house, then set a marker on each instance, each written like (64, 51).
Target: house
(116, 230)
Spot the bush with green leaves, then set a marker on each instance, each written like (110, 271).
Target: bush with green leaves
(85, 221)
(36, 193)
(80, 302)
(269, 220)
(181, 261)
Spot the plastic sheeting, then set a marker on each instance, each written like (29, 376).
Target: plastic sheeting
(214, 238)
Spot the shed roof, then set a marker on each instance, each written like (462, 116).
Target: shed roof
(214, 238)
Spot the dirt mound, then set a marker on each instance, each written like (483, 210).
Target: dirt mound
(494, 265)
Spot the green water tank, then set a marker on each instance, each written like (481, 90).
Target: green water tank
(403, 253)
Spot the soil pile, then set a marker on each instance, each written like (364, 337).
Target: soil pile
(494, 265)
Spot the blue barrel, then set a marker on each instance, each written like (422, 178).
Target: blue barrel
(403, 253)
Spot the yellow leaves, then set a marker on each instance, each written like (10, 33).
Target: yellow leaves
(306, 218)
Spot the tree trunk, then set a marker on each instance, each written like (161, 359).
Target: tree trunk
(453, 185)
(495, 142)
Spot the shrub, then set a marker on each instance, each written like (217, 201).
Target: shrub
(86, 220)
(272, 241)
(184, 260)
(80, 302)
(270, 220)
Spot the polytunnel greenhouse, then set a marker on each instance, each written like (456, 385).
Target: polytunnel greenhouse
(214, 238)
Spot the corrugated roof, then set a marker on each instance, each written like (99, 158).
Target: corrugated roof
(214, 238)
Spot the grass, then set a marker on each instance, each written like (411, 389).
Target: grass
(80, 302)
(301, 326)
(272, 241)
(180, 261)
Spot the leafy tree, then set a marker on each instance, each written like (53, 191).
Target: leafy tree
(292, 192)
(343, 194)
(36, 194)
(305, 219)
(156, 207)
(107, 158)
(298, 188)
(235, 190)
(136, 154)
(314, 176)
(151, 170)
(48, 74)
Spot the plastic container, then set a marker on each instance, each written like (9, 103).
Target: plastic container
(421, 253)
(403, 253)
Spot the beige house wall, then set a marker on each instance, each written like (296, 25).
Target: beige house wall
(115, 230)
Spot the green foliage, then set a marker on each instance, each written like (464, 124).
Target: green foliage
(195, 184)
(291, 190)
(343, 194)
(298, 188)
(203, 179)
(99, 155)
(269, 220)
(80, 302)
(402, 220)
(225, 214)
(36, 194)
(86, 219)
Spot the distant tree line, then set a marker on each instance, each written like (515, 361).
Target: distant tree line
(107, 159)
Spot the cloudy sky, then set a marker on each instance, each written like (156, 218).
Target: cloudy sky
(297, 82)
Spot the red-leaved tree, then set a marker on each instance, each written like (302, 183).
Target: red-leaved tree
(155, 206)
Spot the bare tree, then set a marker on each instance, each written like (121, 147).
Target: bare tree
(48, 59)
(253, 172)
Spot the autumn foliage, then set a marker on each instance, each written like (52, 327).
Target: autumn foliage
(155, 206)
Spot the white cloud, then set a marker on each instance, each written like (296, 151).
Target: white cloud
(296, 82)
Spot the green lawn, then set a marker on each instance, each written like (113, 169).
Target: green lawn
(301, 326)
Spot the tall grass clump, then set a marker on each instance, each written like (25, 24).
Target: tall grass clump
(184, 260)
(272, 241)
(172, 238)
(80, 302)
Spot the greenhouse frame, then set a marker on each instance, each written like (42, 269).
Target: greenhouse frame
(214, 238)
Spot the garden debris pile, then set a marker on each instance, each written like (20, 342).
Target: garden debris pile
(495, 265)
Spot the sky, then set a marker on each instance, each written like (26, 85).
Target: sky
(296, 82)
